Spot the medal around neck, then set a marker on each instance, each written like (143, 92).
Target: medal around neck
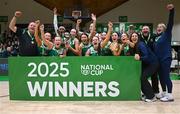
(32, 42)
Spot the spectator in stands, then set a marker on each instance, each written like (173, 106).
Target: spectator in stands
(6, 53)
(1, 49)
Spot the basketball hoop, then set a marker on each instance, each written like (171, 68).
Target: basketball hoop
(76, 14)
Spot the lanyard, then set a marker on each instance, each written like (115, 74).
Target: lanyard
(146, 41)
(32, 38)
(157, 38)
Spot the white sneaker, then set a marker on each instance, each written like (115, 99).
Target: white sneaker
(151, 100)
(167, 98)
(160, 95)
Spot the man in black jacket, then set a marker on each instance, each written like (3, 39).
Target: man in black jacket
(149, 39)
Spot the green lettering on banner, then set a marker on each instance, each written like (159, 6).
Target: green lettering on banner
(74, 78)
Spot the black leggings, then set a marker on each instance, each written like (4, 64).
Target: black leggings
(145, 85)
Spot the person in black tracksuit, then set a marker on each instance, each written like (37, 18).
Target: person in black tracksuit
(149, 39)
(149, 66)
(27, 43)
(162, 49)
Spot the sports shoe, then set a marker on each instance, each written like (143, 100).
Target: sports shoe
(151, 100)
(167, 98)
(143, 97)
(160, 95)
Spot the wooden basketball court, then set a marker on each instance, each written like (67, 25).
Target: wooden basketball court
(87, 107)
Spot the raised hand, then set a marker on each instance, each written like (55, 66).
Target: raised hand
(37, 22)
(81, 45)
(42, 27)
(67, 45)
(170, 6)
(128, 41)
(55, 10)
(114, 47)
(17, 13)
(93, 17)
(110, 26)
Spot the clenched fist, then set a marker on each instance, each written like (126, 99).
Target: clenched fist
(170, 6)
(17, 13)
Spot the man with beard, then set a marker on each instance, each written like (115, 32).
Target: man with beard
(149, 39)
(27, 43)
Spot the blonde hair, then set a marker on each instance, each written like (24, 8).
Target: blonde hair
(163, 25)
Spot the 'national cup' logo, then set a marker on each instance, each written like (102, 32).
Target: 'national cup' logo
(95, 70)
(85, 72)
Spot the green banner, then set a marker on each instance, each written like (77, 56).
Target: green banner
(74, 78)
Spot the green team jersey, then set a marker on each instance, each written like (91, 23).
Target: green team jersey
(56, 52)
(63, 38)
(126, 51)
(93, 52)
(106, 50)
(72, 44)
(43, 50)
(85, 48)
